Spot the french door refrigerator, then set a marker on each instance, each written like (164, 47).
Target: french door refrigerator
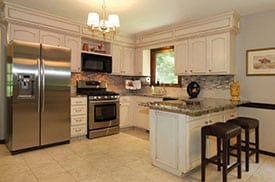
(38, 95)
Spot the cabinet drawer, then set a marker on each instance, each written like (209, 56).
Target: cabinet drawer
(76, 110)
(76, 120)
(79, 130)
(78, 101)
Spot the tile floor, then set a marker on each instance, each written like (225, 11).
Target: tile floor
(124, 157)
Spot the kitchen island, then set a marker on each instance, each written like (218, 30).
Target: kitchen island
(175, 129)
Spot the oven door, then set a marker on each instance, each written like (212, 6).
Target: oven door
(103, 114)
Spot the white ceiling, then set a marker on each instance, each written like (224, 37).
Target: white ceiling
(142, 15)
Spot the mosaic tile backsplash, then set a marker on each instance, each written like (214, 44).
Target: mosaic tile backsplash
(216, 86)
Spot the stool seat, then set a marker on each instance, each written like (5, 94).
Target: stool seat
(221, 129)
(245, 122)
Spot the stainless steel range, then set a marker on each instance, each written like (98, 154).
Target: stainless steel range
(103, 108)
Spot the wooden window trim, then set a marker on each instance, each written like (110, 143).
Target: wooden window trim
(153, 67)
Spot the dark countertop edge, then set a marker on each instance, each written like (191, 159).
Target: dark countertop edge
(258, 105)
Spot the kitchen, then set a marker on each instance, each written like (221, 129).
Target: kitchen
(248, 38)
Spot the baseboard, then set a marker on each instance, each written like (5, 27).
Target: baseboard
(2, 141)
(267, 153)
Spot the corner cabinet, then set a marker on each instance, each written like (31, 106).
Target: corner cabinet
(122, 60)
(176, 139)
(206, 55)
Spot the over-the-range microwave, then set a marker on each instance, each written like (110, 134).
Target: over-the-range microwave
(95, 62)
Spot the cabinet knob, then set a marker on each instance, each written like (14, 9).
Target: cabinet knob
(185, 71)
(191, 71)
(206, 122)
(209, 70)
(210, 121)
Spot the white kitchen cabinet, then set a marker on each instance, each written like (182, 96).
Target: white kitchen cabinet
(18, 32)
(141, 113)
(218, 54)
(208, 55)
(125, 112)
(51, 38)
(165, 141)
(122, 60)
(78, 116)
(181, 58)
(176, 139)
(75, 44)
(142, 62)
(197, 56)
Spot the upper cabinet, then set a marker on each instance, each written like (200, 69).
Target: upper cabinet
(142, 62)
(75, 44)
(122, 60)
(51, 38)
(23, 33)
(206, 55)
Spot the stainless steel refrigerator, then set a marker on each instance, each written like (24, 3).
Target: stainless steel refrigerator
(38, 95)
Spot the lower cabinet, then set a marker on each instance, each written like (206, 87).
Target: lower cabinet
(176, 139)
(125, 112)
(78, 116)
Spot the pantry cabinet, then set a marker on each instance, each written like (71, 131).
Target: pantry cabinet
(122, 60)
(205, 55)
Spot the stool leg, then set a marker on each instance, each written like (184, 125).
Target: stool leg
(224, 160)
(239, 152)
(257, 143)
(203, 156)
(219, 153)
(247, 150)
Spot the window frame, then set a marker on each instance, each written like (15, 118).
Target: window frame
(153, 67)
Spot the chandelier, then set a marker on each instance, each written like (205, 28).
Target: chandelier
(104, 25)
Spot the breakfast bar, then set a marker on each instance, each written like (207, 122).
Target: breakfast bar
(175, 127)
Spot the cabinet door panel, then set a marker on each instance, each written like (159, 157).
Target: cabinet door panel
(51, 38)
(197, 55)
(181, 58)
(18, 32)
(217, 53)
(75, 44)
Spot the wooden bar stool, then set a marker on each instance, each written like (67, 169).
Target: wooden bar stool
(247, 124)
(223, 132)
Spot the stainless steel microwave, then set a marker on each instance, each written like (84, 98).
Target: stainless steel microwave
(93, 62)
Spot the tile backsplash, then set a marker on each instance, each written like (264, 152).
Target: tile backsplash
(216, 86)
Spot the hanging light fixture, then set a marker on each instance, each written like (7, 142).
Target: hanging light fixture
(104, 25)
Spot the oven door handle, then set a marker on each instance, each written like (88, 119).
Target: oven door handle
(103, 101)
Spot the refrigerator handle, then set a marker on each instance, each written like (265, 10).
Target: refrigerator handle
(38, 84)
(43, 85)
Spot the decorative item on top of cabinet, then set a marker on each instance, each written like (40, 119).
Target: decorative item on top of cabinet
(78, 116)
(96, 46)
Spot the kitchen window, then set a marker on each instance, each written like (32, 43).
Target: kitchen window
(162, 67)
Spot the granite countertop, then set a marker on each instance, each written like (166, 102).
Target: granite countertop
(194, 107)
